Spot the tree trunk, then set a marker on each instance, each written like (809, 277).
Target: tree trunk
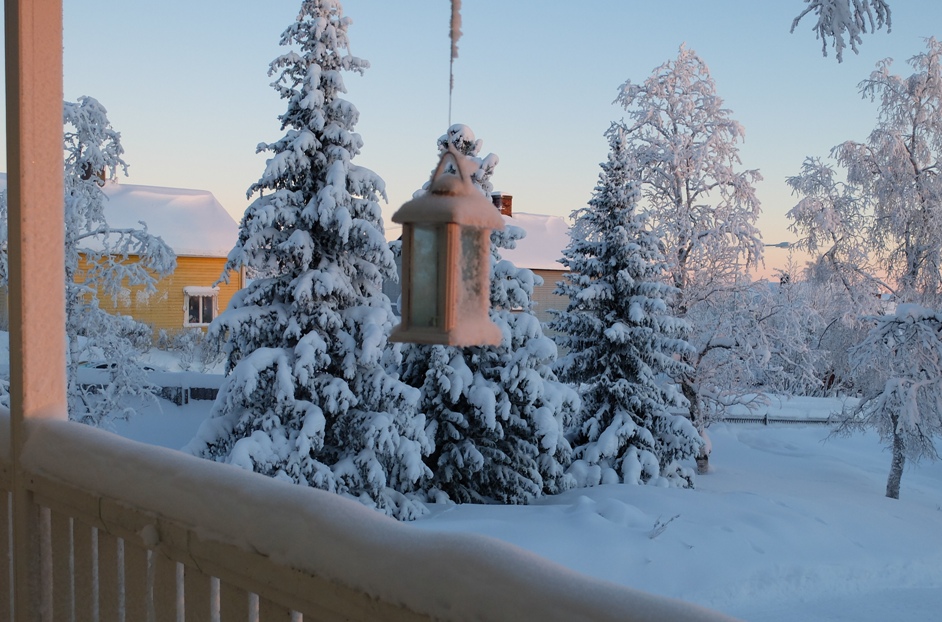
(897, 463)
(696, 417)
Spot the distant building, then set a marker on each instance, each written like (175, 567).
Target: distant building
(201, 233)
(540, 251)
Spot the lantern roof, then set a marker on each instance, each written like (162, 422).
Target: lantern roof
(452, 197)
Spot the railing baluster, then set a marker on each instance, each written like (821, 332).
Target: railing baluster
(72, 523)
(96, 578)
(151, 582)
(121, 590)
(63, 568)
(45, 561)
(214, 599)
(6, 556)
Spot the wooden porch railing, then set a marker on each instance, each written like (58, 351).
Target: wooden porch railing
(131, 532)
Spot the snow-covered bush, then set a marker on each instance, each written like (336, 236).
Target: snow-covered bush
(311, 394)
(195, 350)
(623, 343)
(496, 415)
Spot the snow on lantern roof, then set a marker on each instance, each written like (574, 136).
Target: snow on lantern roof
(543, 246)
(192, 222)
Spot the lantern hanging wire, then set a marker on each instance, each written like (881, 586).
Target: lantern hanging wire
(454, 34)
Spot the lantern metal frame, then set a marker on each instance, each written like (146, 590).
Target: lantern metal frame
(450, 261)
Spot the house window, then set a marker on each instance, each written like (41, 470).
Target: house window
(200, 305)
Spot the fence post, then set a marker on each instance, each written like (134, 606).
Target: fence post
(33, 61)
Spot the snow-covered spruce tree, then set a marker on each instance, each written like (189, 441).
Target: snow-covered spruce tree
(100, 261)
(496, 414)
(879, 231)
(623, 343)
(311, 395)
(704, 211)
(837, 17)
(901, 358)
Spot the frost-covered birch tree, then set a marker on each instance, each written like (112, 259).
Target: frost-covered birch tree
(101, 260)
(623, 344)
(312, 394)
(788, 326)
(901, 360)
(879, 231)
(839, 18)
(880, 227)
(704, 209)
(496, 414)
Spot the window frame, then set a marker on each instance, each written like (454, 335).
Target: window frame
(191, 292)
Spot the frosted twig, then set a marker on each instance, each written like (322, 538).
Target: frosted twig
(660, 526)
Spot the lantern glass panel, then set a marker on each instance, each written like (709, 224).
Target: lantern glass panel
(424, 297)
(473, 299)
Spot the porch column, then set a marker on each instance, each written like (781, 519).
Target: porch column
(36, 261)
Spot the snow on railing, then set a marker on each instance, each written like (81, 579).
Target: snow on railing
(136, 532)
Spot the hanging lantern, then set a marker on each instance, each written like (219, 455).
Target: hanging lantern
(446, 260)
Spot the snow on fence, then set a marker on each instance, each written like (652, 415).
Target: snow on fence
(178, 387)
(134, 532)
(766, 419)
(777, 409)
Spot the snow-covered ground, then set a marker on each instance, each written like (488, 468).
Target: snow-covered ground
(788, 526)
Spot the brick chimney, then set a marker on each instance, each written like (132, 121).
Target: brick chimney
(503, 202)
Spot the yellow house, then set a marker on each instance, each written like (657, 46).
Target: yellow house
(201, 233)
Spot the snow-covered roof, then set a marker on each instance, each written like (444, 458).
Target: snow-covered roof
(543, 246)
(192, 222)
